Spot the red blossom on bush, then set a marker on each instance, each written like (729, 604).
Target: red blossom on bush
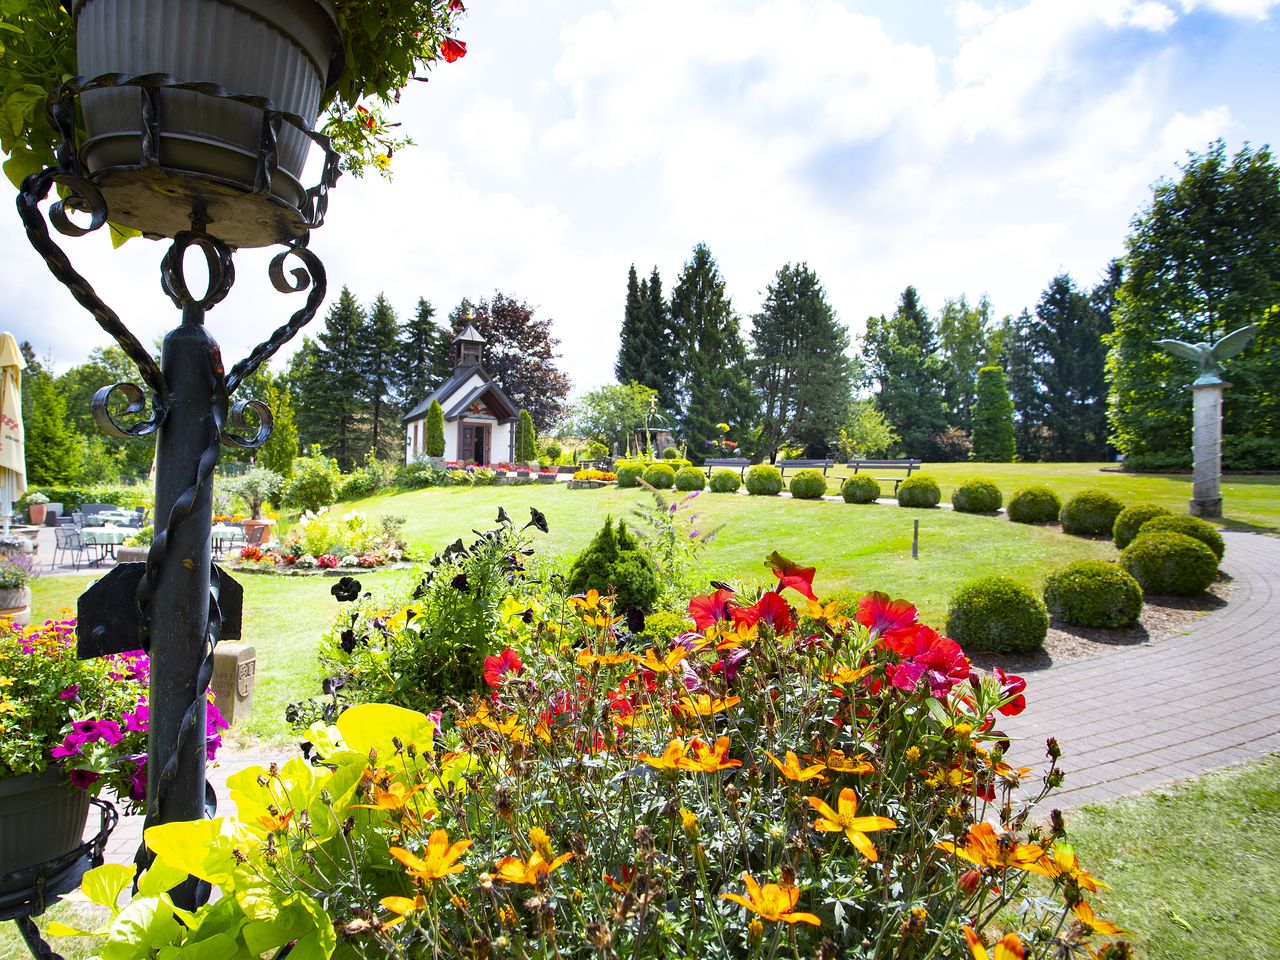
(711, 609)
(452, 49)
(497, 668)
(880, 615)
(327, 561)
(930, 656)
(1011, 686)
(770, 609)
(791, 574)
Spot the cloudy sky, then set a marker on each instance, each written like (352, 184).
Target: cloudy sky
(964, 147)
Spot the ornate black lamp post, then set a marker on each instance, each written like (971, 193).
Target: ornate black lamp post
(178, 604)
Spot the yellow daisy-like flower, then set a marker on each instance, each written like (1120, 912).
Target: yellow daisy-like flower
(845, 820)
(1009, 947)
(403, 907)
(773, 902)
(792, 769)
(515, 870)
(441, 858)
(667, 664)
(705, 705)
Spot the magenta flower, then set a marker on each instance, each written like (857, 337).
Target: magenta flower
(730, 663)
(71, 693)
(83, 779)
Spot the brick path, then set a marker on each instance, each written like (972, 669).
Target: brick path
(1138, 718)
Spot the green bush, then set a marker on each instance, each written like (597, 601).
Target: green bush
(314, 483)
(670, 453)
(1164, 562)
(1090, 512)
(1035, 504)
(860, 489)
(552, 451)
(1130, 520)
(660, 476)
(764, 481)
(1093, 593)
(977, 496)
(919, 491)
(808, 485)
(629, 473)
(615, 562)
(690, 478)
(663, 626)
(998, 614)
(725, 480)
(72, 498)
(1194, 527)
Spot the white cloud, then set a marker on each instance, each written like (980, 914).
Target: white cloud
(1248, 9)
(494, 135)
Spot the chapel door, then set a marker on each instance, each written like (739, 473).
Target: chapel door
(481, 447)
(467, 449)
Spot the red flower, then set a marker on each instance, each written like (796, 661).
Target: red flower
(790, 574)
(879, 614)
(1011, 686)
(926, 655)
(455, 6)
(365, 117)
(452, 49)
(770, 609)
(710, 610)
(496, 668)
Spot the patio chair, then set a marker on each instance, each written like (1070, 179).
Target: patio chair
(52, 512)
(77, 517)
(67, 541)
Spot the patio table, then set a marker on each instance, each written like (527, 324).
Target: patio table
(106, 537)
(122, 517)
(224, 536)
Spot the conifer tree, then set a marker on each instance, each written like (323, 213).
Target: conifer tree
(278, 453)
(378, 361)
(902, 358)
(662, 359)
(433, 439)
(331, 409)
(53, 447)
(632, 349)
(992, 418)
(1024, 388)
(422, 356)
(526, 443)
(1069, 365)
(963, 335)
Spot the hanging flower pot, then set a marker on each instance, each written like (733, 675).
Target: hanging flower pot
(42, 819)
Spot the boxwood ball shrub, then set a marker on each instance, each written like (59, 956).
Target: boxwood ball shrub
(977, 496)
(1089, 513)
(919, 492)
(998, 614)
(1168, 563)
(1202, 530)
(690, 478)
(1130, 521)
(764, 481)
(725, 480)
(616, 562)
(1093, 593)
(860, 489)
(808, 485)
(1035, 504)
(629, 474)
(670, 453)
(661, 476)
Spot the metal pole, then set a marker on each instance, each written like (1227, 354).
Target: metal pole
(915, 540)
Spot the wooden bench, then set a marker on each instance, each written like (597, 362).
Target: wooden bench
(879, 465)
(823, 465)
(733, 463)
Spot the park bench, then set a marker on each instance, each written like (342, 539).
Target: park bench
(733, 463)
(882, 465)
(823, 465)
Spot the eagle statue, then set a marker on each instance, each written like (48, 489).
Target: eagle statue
(1210, 356)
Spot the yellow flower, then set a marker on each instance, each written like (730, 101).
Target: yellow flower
(391, 799)
(982, 847)
(541, 842)
(837, 760)
(404, 907)
(1084, 913)
(705, 705)
(913, 754)
(537, 867)
(690, 822)
(1009, 947)
(673, 757)
(383, 160)
(667, 664)
(709, 759)
(7, 706)
(846, 820)
(6, 682)
(594, 609)
(1063, 863)
(847, 676)
(792, 769)
(441, 858)
(773, 902)
(829, 614)
(586, 658)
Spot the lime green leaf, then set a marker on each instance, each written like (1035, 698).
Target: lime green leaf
(121, 235)
(59, 929)
(103, 885)
(202, 848)
(372, 726)
(218, 947)
(20, 165)
(145, 925)
(161, 877)
(298, 918)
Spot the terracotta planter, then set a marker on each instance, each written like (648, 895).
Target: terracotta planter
(37, 511)
(258, 531)
(15, 605)
(42, 818)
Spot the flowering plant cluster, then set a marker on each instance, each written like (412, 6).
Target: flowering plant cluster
(422, 473)
(604, 475)
(324, 541)
(88, 717)
(16, 570)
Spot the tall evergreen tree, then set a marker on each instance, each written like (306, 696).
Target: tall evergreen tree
(331, 409)
(54, 449)
(632, 348)
(1024, 388)
(1069, 367)
(281, 448)
(993, 418)
(963, 336)
(714, 385)
(902, 358)
(662, 359)
(422, 358)
(800, 364)
(526, 439)
(433, 435)
(378, 375)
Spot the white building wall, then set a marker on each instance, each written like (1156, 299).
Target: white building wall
(501, 446)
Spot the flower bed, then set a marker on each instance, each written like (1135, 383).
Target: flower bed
(322, 542)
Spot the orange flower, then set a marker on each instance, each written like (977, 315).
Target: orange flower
(709, 759)
(1009, 947)
(847, 676)
(773, 902)
(1084, 913)
(667, 664)
(705, 705)
(829, 614)
(673, 758)
(404, 907)
(847, 821)
(837, 760)
(792, 769)
(391, 799)
(983, 847)
(440, 861)
(586, 658)
(276, 822)
(1063, 863)
(540, 864)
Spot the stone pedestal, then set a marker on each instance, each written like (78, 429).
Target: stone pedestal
(234, 669)
(1206, 449)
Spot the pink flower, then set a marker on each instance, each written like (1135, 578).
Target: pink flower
(879, 614)
(926, 655)
(71, 693)
(729, 663)
(138, 720)
(1011, 686)
(83, 779)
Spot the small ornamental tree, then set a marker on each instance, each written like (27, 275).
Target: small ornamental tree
(433, 441)
(256, 487)
(993, 418)
(526, 438)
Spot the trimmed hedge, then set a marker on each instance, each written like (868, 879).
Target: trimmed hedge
(1164, 562)
(919, 491)
(860, 489)
(690, 478)
(629, 473)
(1201, 530)
(977, 496)
(998, 614)
(1035, 504)
(808, 485)
(660, 476)
(73, 498)
(725, 480)
(670, 453)
(1131, 519)
(1090, 512)
(1093, 593)
(764, 481)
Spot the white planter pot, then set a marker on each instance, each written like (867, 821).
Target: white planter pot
(15, 605)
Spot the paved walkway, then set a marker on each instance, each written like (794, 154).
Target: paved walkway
(1142, 717)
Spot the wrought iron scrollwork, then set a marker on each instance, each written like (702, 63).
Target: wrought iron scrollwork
(135, 403)
(217, 257)
(232, 435)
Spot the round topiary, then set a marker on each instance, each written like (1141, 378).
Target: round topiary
(1165, 562)
(919, 492)
(1035, 504)
(808, 485)
(998, 614)
(670, 453)
(764, 481)
(690, 478)
(1201, 530)
(977, 496)
(1090, 512)
(629, 474)
(725, 480)
(1093, 593)
(1131, 519)
(860, 489)
(660, 476)
(616, 562)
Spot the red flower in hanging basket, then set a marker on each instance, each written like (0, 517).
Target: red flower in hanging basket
(452, 50)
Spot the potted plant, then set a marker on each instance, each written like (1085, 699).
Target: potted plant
(36, 504)
(16, 572)
(256, 486)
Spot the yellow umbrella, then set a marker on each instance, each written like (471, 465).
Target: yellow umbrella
(13, 453)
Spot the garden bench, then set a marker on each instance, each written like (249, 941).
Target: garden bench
(881, 465)
(823, 465)
(733, 463)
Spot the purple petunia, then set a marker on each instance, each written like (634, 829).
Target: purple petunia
(71, 693)
(83, 779)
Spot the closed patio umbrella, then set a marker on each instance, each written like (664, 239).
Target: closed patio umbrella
(13, 454)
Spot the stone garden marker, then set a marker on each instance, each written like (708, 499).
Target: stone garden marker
(1206, 426)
